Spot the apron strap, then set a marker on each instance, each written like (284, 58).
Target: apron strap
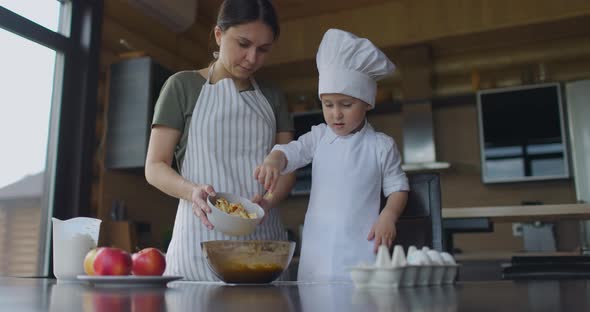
(209, 73)
(251, 78)
(268, 111)
(254, 83)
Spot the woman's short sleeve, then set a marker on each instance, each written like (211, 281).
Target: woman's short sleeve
(171, 106)
(175, 106)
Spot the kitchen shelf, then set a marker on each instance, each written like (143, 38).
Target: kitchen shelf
(520, 213)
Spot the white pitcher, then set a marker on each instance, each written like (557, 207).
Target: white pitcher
(72, 240)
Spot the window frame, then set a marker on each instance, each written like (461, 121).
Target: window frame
(71, 141)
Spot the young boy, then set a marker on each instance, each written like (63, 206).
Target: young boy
(351, 163)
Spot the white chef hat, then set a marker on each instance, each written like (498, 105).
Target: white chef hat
(351, 65)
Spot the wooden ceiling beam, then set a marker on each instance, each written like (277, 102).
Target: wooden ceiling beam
(293, 9)
(541, 52)
(402, 23)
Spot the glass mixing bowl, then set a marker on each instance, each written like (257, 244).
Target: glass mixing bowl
(253, 261)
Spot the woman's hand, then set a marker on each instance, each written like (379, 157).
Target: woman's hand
(263, 201)
(199, 195)
(269, 171)
(383, 231)
(158, 172)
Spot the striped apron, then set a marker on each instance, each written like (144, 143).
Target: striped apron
(230, 134)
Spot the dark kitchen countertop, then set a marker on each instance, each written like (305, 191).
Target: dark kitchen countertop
(38, 294)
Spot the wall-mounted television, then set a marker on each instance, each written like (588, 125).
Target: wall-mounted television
(521, 132)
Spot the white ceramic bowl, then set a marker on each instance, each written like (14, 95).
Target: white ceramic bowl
(234, 225)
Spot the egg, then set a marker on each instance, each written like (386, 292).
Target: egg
(399, 257)
(435, 257)
(383, 257)
(418, 258)
(447, 258)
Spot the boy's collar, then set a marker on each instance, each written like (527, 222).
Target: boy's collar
(331, 136)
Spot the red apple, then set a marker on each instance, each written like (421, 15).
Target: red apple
(112, 261)
(148, 261)
(89, 261)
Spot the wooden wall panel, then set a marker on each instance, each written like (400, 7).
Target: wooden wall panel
(136, 21)
(124, 13)
(564, 59)
(144, 203)
(293, 9)
(19, 240)
(546, 51)
(113, 32)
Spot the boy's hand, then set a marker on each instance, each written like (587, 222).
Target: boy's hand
(383, 231)
(268, 173)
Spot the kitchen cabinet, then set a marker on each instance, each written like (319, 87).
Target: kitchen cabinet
(134, 86)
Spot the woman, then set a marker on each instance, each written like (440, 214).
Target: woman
(219, 123)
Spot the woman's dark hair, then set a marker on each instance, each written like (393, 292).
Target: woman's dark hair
(237, 12)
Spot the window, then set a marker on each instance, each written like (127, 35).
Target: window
(24, 129)
(522, 134)
(45, 12)
(47, 118)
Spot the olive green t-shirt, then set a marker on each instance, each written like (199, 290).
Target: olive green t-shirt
(179, 95)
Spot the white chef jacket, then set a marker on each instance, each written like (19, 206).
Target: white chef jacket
(348, 174)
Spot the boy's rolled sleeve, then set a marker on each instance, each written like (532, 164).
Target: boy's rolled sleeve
(394, 178)
(300, 153)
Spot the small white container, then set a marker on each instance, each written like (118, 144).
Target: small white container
(450, 273)
(230, 224)
(362, 276)
(438, 273)
(410, 275)
(421, 268)
(399, 257)
(387, 277)
(383, 258)
(407, 276)
(447, 258)
(72, 240)
(424, 275)
(438, 268)
(451, 268)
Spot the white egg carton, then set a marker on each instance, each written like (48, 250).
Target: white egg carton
(421, 268)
